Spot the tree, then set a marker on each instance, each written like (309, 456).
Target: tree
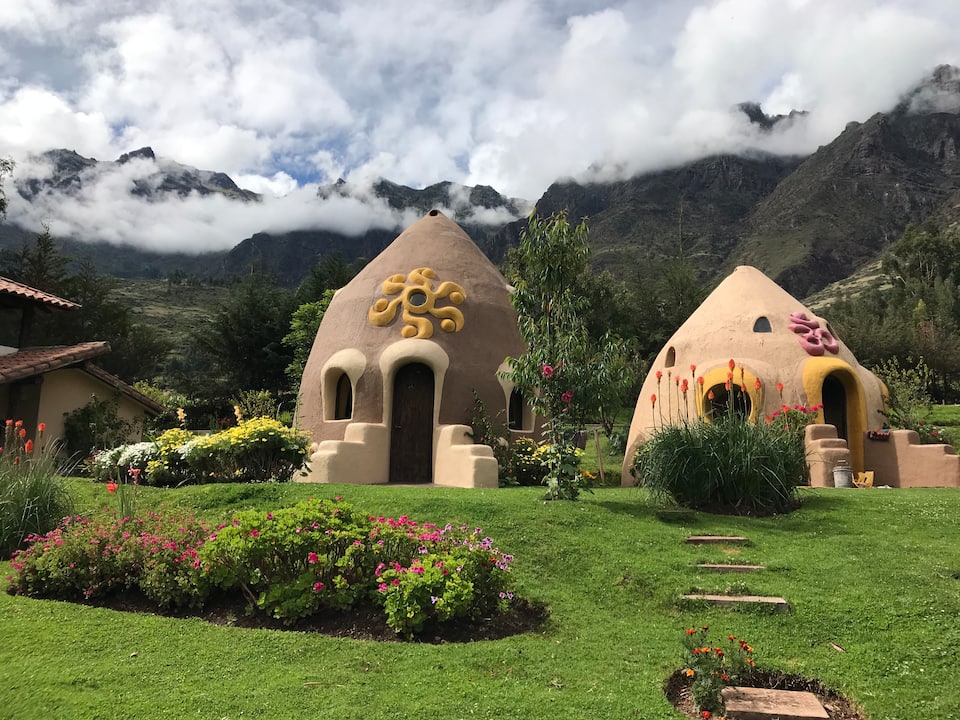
(568, 375)
(303, 331)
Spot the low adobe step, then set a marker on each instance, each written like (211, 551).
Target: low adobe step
(743, 703)
(777, 603)
(730, 568)
(716, 540)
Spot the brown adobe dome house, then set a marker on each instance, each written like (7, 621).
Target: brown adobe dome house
(387, 392)
(776, 342)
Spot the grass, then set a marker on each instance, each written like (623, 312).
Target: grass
(866, 570)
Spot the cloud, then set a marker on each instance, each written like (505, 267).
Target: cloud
(283, 94)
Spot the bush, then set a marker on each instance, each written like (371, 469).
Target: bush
(727, 465)
(256, 450)
(168, 467)
(316, 556)
(95, 426)
(528, 468)
(33, 496)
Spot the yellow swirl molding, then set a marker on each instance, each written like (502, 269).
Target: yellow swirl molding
(418, 298)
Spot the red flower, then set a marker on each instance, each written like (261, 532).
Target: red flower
(684, 386)
(705, 714)
(567, 397)
(779, 387)
(731, 364)
(659, 375)
(710, 395)
(757, 384)
(700, 381)
(22, 432)
(9, 422)
(547, 371)
(112, 487)
(691, 631)
(28, 446)
(18, 423)
(726, 385)
(41, 427)
(693, 368)
(653, 399)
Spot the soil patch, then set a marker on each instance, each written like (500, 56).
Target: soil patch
(838, 707)
(362, 623)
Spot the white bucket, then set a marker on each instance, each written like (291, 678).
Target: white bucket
(842, 476)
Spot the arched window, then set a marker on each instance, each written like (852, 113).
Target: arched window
(671, 358)
(762, 325)
(343, 405)
(725, 403)
(516, 410)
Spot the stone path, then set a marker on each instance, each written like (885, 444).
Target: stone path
(762, 704)
(755, 703)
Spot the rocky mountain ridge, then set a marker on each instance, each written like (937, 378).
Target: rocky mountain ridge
(805, 221)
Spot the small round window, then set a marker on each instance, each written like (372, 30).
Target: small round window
(417, 298)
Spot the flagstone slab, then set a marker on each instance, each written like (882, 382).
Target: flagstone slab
(730, 568)
(717, 540)
(745, 703)
(778, 603)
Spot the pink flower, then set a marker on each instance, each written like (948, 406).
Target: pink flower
(317, 586)
(567, 397)
(313, 558)
(547, 371)
(112, 487)
(254, 533)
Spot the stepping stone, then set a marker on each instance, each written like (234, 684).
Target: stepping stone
(778, 603)
(716, 540)
(744, 703)
(728, 568)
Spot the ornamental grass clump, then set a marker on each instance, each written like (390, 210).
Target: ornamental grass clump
(33, 495)
(728, 465)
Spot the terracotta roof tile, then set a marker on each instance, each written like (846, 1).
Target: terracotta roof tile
(33, 361)
(25, 292)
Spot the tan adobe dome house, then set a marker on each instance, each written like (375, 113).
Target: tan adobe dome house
(387, 391)
(782, 353)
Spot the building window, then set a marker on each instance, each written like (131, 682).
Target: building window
(343, 406)
(516, 410)
(671, 359)
(762, 325)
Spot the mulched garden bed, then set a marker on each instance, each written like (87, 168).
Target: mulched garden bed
(364, 623)
(838, 707)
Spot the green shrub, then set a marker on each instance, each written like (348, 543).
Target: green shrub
(528, 468)
(255, 450)
(727, 465)
(33, 496)
(95, 426)
(314, 557)
(84, 559)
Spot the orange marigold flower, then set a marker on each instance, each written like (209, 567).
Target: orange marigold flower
(689, 672)
(691, 631)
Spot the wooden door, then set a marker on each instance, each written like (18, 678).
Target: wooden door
(411, 429)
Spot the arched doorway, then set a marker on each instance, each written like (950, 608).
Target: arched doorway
(835, 405)
(411, 429)
(727, 403)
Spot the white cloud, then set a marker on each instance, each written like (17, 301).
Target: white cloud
(281, 94)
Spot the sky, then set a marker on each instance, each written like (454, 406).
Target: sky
(288, 95)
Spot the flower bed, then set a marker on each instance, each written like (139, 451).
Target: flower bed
(318, 557)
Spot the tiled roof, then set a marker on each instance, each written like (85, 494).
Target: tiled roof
(128, 390)
(11, 288)
(27, 362)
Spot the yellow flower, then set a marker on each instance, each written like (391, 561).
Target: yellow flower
(689, 672)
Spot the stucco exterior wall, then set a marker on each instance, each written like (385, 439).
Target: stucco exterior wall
(63, 391)
(901, 461)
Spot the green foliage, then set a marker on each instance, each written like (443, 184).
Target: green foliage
(254, 403)
(568, 376)
(304, 324)
(528, 469)
(496, 435)
(290, 563)
(94, 426)
(726, 465)
(712, 668)
(169, 467)
(257, 450)
(84, 559)
(33, 495)
(908, 403)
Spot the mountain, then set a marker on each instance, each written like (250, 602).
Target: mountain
(805, 221)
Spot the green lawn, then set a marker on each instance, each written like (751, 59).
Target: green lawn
(873, 571)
